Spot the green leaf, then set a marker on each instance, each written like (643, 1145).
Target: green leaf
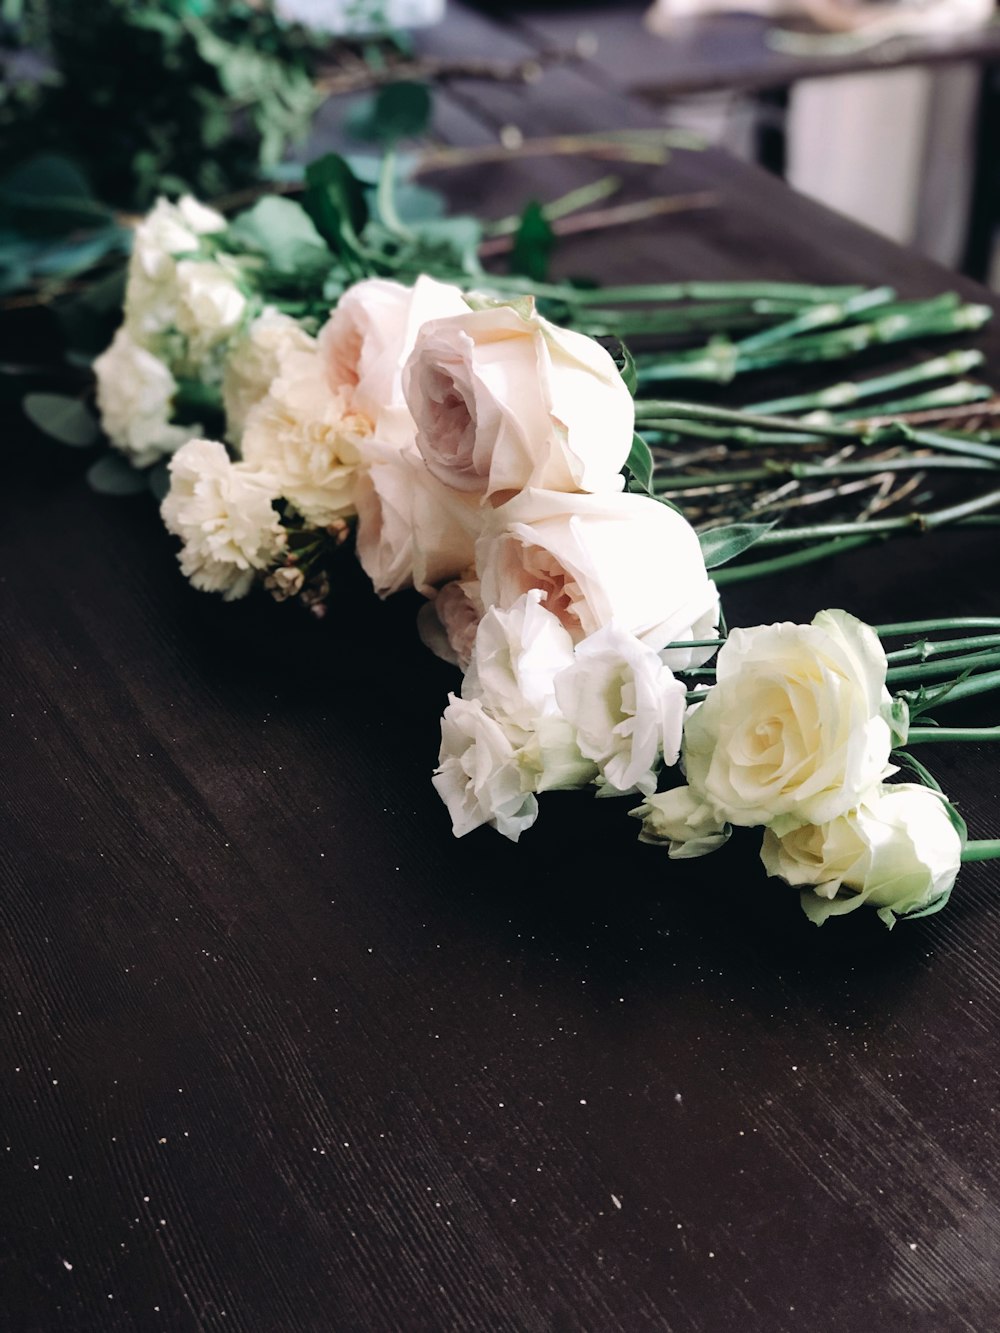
(720, 545)
(48, 195)
(640, 464)
(335, 200)
(449, 243)
(628, 371)
(397, 111)
(111, 475)
(283, 232)
(65, 419)
(533, 244)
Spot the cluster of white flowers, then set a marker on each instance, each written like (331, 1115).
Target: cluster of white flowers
(183, 307)
(795, 737)
(478, 451)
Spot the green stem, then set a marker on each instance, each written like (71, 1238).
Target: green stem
(777, 564)
(840, 395)
(901, 627)
(926, 735)
(817, 317)
(924, 651)
(984, 683)
(947, 666)
(981, 849)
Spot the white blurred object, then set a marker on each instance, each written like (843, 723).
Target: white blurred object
(359, 17)
(898, 18)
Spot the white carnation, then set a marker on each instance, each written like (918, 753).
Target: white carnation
(478, 776)
(253, 363)
(448, 623)
(222, 513)
(167, 231)
(301, 436)
(626, 706)
(210, 307)
(135, 397)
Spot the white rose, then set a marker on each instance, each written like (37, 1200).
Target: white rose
(368, 338)
(222, 513)
(167, 230)
(794, 724)
(598, 559)
(253, 363)
(210, 306)
(682, 821)
(504, 401)
(898, 851)
(412, 531)
(447, 624)
(135, 397)
(478, 775)
(626, 706)
(300, 435)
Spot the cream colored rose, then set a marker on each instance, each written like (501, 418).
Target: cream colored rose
(368, 338)
(301, 435)
(680, 821)
(222, 513)
(254, 362)
(626, 707)
(412, 531)
(597, 559)
(447, 624)
(898, 851)
(135, 398)
(794, 725)
(478, 776)
(504, 401)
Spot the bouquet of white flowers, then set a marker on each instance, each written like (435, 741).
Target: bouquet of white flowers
(309, 389)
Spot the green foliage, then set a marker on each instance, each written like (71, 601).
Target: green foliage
(533, 244)
(65, 419)
(335, 200)
(639, 465)
(156, 97)
(282, 232)
(113, 475)
(397, 111)
(720, 545)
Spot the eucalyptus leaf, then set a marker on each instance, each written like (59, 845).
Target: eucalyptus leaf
(111, 475)
(283, 232)
(720, 545)
(64, 418)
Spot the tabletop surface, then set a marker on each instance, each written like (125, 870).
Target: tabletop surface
(279, 1054)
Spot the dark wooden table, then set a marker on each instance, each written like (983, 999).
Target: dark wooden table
(279, 1055)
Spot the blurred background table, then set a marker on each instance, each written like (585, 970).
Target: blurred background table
(280, 1055)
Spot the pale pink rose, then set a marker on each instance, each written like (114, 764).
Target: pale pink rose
(504, 400)
(447, 625)
(369, 336)
(412, 531)
(600, 559)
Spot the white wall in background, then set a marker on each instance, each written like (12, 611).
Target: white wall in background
(856, 143)
(360, 16)
(893, 149)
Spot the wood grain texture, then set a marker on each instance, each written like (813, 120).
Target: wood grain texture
(277, 1054)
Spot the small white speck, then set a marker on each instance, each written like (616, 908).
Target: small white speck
(678, 1098)
(616, 1201)
(795, 1067)
(67, 1265)
(913, 1244)
(583, 1101)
